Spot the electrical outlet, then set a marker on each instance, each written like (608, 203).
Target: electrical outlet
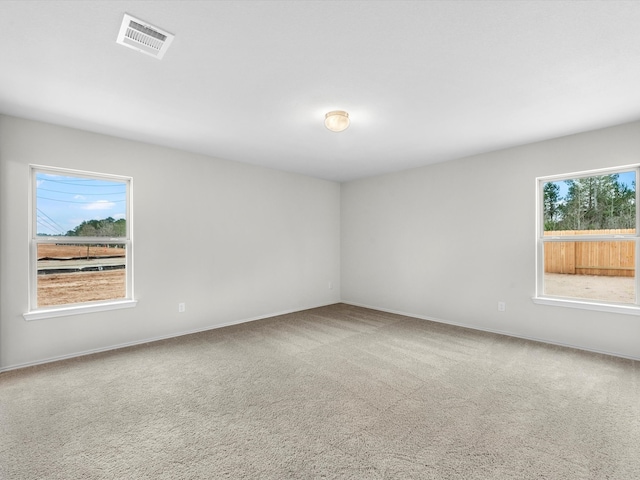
(330, 285)
(502, 306)
(182, 308)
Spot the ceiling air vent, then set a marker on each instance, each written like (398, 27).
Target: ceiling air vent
(145, 38)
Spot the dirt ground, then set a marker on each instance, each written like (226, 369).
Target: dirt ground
(610, 289)
(77, 287)
(62, 288)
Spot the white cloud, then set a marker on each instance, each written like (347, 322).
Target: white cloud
(79, 197)
(99, 205)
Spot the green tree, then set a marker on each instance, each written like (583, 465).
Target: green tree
(107, 227)
(551, 205)
(597, 203)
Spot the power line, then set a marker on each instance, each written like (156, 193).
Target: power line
(70, 201)
(42, 214)
(47, 226)
(45, 223)
(95, 182)
(78, 193)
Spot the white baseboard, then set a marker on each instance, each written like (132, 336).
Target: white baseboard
(285, 312)
(155, 339)
(489, 330)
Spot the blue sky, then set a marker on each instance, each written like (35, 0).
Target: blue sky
(64, 202)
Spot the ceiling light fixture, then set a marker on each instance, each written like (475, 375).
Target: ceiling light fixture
(337, 120)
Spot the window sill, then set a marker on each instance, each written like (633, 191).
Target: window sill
(78, 310)
(601, 307)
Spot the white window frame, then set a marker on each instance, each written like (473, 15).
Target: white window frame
(541, 239)
(36, 313)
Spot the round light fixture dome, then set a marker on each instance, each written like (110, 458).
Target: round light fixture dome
(336, 121)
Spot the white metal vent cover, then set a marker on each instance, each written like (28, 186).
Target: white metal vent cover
(143, 37)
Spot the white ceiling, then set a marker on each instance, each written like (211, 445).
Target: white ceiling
(250, 81)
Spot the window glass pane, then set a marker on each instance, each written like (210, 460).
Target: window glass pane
(78, 206)
(603, 271)
(80, 273)
(591, 205)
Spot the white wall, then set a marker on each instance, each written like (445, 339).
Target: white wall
(260, 242)
(232, 241)
(449, 241)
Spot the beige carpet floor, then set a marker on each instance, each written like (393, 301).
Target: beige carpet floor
(335, 392)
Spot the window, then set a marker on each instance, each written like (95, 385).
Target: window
(80, 242)
(587, 253)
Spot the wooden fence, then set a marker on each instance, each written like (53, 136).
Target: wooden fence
(608, 258)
